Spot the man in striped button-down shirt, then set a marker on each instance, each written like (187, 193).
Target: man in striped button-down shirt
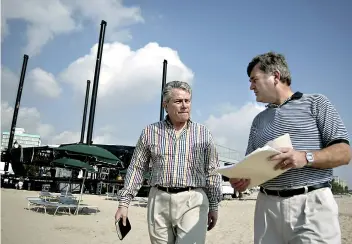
(186, 190)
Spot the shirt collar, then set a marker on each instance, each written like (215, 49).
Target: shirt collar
(168, 122)
(297, 95)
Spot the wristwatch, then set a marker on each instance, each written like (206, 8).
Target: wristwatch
(310, 159)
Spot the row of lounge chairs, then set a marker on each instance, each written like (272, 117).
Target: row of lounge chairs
(139, 201)
(47, 200)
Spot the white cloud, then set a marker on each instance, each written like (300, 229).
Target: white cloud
(47, 19)
(127, 77)
(44, 83)
(9, 84)
(37, 81)
(226, 108)
(124, 71)
(65, 137)
(28, 118)
(112, 11)
(104, 135)
(231, 129)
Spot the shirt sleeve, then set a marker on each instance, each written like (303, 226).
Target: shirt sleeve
(213, 179)
(134, 176)
(329, 122)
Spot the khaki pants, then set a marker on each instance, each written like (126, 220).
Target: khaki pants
(177, 217)
(305, 218)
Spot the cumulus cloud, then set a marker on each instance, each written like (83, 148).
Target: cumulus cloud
(124, 71)
(129, 81)
(104, 135)
(37, 80)
(44, 19)
(47, 19)
(44, 83)
(118, 16)
(28, 118)
(231, 128)
(9, 84)
(128, 77)
(65, 137)
(138, 73)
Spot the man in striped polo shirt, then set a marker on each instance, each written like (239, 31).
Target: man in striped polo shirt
(186, 190)
(297, 206)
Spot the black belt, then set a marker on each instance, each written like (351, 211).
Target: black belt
(175, 189)
(293, 192)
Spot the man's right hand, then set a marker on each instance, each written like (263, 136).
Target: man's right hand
(121, 212)
(240, 184)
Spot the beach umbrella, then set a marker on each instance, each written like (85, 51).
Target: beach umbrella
(100, 154)
(72, 163)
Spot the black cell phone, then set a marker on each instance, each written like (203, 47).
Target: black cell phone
(122, 230)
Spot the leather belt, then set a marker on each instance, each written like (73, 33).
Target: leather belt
(293, 192)
(175, 189)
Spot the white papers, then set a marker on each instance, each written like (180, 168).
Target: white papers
(282, 141)
(256, 166)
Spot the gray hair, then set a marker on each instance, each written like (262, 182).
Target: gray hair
(175, 85)
(270, 62)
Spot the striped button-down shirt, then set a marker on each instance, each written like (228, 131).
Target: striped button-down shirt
(187, 160)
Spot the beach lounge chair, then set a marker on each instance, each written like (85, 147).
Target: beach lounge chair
(45, 195)
(66, 203)
(40, 203)
(69, 203)
(63, 202)
(85, 206)
(111, 196)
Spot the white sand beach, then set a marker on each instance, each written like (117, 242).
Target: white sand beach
(19, 225)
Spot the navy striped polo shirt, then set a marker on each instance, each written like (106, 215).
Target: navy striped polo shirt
(312, 122)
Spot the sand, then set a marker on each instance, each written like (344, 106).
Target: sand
(19, 225)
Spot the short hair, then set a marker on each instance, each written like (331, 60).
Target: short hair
(270, 62)
(175, 85)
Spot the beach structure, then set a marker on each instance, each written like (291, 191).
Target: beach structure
(36, 164)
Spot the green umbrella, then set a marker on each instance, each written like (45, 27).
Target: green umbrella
(89, 150)
(73, 163)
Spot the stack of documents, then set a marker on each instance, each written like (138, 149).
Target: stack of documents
(257, 166)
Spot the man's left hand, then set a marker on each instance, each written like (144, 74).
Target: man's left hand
(212, 218)
(289, 158)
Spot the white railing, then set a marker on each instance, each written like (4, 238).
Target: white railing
(229, 153)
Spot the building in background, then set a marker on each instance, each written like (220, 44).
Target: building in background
(23, 139)
(340, 181)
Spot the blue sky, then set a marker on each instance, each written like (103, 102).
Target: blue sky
(214, 43)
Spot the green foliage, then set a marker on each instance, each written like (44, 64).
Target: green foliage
(338, 189)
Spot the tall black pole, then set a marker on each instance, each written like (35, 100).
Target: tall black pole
(96, 82)
(15, 111)
(162, 89)
(85, 112)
